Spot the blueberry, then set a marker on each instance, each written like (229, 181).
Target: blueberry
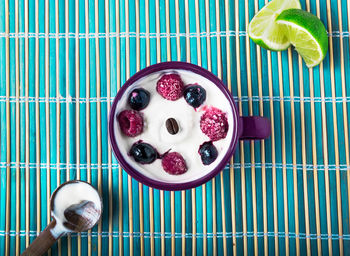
(208, 153)
(195, 95)
(143, 153)
(138, 99)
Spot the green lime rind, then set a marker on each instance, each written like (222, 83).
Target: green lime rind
(262, 44)
(263, 29)
(310, 26)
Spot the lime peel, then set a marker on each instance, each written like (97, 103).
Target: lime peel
(306, 33)
(263, 29)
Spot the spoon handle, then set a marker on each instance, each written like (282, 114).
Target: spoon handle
(42, 243)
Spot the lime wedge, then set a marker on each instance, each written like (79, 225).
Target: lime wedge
(263, 29)
(306, 33)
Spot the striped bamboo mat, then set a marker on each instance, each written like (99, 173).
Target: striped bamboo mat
(61, 63)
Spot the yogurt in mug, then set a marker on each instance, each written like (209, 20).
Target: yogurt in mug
(189, 137)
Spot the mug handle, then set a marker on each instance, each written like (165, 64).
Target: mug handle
(255, 128)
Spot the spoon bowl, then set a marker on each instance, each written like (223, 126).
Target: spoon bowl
(75, 207)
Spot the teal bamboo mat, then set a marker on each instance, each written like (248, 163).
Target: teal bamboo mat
(61, 63)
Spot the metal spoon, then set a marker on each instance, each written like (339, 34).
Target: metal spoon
(78, 217)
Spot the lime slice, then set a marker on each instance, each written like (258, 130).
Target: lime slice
(306, 33)
(263, 29)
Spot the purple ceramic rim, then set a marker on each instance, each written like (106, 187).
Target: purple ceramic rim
(160, 184)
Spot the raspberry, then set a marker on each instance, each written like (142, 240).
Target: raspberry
(173, 163)
(131, 122)
(170, 86)
(214, 124)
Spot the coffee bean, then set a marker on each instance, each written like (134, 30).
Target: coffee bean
(172, 126)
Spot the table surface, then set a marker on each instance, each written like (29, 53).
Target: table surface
(61, 64)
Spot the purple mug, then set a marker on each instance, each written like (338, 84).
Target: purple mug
(245, 128)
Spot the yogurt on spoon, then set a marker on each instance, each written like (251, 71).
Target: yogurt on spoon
(75, 207)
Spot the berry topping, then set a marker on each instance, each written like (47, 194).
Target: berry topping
(143, 153)
(195, 95)
(173, 163)
(214, 124)
(170, 86)
(208, 152)
(138, 99)
(131, 122)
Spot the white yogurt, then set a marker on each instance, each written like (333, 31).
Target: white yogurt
(187, 140)
(68, 195)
